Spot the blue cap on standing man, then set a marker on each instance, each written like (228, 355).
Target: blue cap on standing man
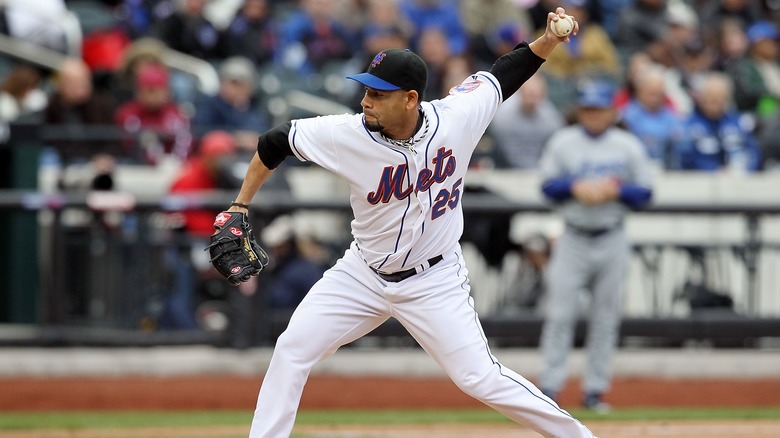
(596, 94)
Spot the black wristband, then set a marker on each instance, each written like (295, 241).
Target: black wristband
(238, 204)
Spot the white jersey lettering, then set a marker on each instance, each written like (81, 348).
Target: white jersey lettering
(415, 189)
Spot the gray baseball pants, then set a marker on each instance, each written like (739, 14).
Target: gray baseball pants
(595, 266)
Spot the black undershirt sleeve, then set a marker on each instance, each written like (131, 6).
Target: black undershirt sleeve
(514, 68)
(273, 146)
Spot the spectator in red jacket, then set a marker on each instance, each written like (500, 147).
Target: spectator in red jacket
(188, 264)
(157, 124)
(204, 171)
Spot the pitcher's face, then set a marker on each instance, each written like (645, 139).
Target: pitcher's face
(383, 110)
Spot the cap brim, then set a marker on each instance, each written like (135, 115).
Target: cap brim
(374, 82)
(595, 100)
(595, 104)
(762, 36)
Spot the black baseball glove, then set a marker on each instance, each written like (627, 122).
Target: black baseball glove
(233, 249)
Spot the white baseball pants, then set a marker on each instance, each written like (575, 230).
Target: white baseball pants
(435, 307)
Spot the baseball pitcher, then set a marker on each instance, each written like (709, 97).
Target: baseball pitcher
(405, 161)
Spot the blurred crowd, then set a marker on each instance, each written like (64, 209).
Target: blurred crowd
(699, 79)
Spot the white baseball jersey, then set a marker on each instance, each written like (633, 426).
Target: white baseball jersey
(420, 190)
(407, 207)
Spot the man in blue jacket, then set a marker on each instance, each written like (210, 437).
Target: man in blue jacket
(715, 136)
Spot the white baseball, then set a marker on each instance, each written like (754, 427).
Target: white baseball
(563, 26)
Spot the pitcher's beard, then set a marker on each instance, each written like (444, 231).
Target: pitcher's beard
(373, 127)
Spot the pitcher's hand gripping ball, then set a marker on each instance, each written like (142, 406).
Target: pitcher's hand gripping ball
(563, 26)
(233, 249)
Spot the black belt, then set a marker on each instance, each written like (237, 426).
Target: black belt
(592, 232)
(403, 275)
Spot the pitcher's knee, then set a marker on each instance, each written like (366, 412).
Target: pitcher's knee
(289, 348)
(301, 348)
(286, 340)
(475, 384)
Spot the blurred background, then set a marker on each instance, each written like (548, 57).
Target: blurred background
(125, 125)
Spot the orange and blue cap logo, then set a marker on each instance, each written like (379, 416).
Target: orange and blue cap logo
(378, 59)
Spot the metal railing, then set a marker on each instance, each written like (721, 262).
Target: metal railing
(103, 260)
(114, 277)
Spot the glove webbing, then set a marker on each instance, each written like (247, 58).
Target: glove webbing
(229, 246)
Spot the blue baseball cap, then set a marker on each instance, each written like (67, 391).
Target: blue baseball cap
(762, 30)
(596, 94)
(395, 69)
(575, 3)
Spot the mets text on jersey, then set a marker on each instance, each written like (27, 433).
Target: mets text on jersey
(391, 183)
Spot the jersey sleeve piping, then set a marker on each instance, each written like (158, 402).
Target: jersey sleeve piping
(292, 143)
(491, 78)
(433, 135)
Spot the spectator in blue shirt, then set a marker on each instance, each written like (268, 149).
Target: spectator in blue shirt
(715, 137)
(441, 14)
(313, 37)
(234, 108)
(292, 273)
(648, 115)
(189, 31)
(253, 33)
